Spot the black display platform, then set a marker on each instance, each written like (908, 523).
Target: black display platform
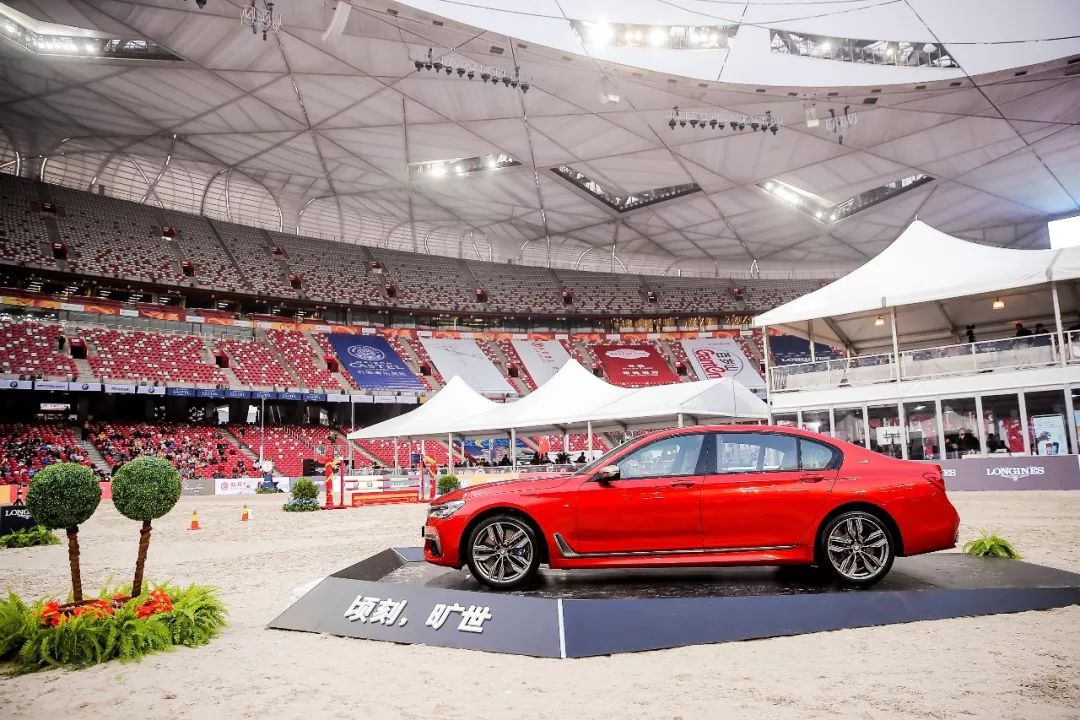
(584, 613)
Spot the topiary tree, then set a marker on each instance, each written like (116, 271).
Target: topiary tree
(304, 489)
(65, 495)
(145, 489)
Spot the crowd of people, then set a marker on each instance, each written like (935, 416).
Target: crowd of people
(193, 452)
(29, 448)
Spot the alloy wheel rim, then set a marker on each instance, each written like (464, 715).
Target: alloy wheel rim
(502, 552)
(858, 548)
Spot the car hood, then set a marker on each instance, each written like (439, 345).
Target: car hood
(533, 482)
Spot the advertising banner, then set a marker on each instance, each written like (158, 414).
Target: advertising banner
(209, 393)
(84, 386)
(238, 394)
(18, 385)
(197, 486)
(465, 359)
(120, 388)
(263, 395)
(180, 392)
(14, 517)
(542, 358)
(236, 486)
(372, 363)
(634, 365)
(289, 396)
(792, 350)
(149, 390)
(337, 397)
(50, 385)
(1060, 472)
(314, 397)
(1050, 435)
(721, 358)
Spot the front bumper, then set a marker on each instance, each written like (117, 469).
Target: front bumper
(441, 540)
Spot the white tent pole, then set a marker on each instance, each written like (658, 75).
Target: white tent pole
(895, 342)
(566, 442)
(680, 420)
(588, 442)
(810, 336)
(513, 449)
(1057, 322)
(397, 466)
(768, 373)
(450, 455)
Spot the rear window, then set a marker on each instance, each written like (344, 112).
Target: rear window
(814, 455)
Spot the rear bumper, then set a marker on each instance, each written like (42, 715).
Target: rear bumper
(927, 523)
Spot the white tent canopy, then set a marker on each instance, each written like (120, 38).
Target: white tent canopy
(924, 266)
(574, 397)
(438, 416)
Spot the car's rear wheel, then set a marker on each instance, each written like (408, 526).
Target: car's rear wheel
(857, 547)
(504, 552)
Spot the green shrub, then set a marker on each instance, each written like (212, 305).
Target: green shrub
(29, 537)
(304, 489)
(301, 505)
(260, 490)
(65, 495)
(145, 489)
(448, 483)
(196, 617)
(987, 545)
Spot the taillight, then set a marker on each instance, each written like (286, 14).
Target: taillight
(936, 479)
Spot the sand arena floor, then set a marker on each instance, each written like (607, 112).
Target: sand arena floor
(1010, 666)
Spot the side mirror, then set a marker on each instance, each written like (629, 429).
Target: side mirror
(607, 473)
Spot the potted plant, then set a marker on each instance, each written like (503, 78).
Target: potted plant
(65, 495)
(145, 489)
(448, 483)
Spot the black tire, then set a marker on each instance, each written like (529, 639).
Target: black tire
(509, 551)
(856, 547)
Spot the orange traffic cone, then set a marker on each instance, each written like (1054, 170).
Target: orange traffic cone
(194, 520)
(245, 515)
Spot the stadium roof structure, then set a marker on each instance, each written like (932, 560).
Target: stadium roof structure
(964, 114)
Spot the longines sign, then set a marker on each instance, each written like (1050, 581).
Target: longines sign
(1054, 472)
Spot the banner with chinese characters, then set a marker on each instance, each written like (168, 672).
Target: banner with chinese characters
(542, 358)
(372, 363)
(634, 365)
(721, 358)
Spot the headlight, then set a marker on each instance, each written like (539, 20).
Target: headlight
(445, 510)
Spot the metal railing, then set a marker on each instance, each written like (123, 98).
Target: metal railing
(1020, 353)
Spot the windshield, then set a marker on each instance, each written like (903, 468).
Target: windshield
(604, 459)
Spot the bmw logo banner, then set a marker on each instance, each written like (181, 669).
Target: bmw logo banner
(372, 363)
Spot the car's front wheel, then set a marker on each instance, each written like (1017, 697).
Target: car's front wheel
(504, 552)
(857, 547)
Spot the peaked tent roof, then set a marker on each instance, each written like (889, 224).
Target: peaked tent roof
(445, 409)
(573, 397)
(925, 265)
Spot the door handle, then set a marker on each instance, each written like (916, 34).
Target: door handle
(812, 478)
(682, 484)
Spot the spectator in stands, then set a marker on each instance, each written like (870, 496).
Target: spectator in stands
(994, 445)
(971, 334)
(59, 342)
(563, 458)
(1022, 331)
(580, 460)
(505, 462)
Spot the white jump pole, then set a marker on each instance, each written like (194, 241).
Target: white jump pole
(513, 449)
(588, 441)
(450, 456)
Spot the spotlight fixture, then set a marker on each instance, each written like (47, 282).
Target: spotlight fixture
(460, 72)
(264, 19)
(484, 76)
(999, 304)
(470, 74)
(437, 65)
(506, 81)
(754, 125)
(733, 124)
(671, 123)
(713, 123)
(449, 70)
(524, 86)
(200, 3)
(693, 123)
(682, 123)
(880, 321)
(419, 65)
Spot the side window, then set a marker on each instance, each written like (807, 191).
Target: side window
(816, 456)
(677, 455)
(757, 452)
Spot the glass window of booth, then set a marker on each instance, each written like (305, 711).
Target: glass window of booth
(960, 422)
(784, 419)
(816, 421)
(849, 425)
(886, 435)
(922, 432)
(1047, 422)
(1001, 420)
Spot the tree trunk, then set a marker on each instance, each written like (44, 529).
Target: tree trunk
(144, 546)
(73, 560)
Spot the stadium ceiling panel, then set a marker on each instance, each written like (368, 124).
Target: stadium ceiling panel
(981, 95)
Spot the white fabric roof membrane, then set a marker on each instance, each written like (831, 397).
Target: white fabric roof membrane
(444, 409)
(574, 397)
(925, 265)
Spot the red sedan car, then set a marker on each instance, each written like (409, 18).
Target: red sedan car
(738, 495)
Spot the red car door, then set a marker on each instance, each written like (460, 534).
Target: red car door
(654, 505)
(762, 495)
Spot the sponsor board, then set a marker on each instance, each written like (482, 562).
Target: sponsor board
(150, 390)
(50, 385)
(714, 358)
(180, 392)
(542, 358)
(236, 486)
(634, 365)
(209, 393)
(18, 385)
(120, 388)
(465, 359)
(1055, 472)
(84, 386)
(14, 517)
(197, 486)
(372, 363)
